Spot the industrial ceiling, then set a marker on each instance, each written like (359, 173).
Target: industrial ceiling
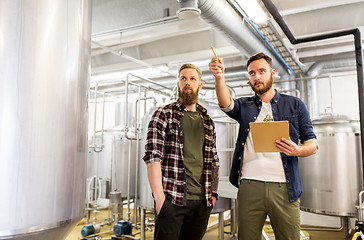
(144, 34)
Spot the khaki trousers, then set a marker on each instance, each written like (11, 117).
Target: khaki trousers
(256, 200)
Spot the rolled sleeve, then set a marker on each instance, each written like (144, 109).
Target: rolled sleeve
(314, 140)
(230, 107)
(154, 146)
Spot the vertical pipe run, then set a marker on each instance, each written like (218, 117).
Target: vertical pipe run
(358, 56)
(142, 224)
(137, 133)
(220, 235)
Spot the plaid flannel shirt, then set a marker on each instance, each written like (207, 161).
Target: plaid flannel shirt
(165, 144)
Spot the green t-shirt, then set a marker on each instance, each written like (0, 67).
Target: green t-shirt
(193, 143)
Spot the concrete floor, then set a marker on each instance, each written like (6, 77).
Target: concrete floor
(211, 234)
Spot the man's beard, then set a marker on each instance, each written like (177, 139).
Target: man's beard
(265, 88)
(188, 98)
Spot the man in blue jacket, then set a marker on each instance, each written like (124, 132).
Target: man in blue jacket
(269, 183)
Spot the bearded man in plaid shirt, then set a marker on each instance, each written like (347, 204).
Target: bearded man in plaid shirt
(182, 162)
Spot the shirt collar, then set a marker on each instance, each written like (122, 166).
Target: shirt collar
(274, 99)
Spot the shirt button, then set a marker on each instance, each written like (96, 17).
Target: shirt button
(287, 181)
(255, 117)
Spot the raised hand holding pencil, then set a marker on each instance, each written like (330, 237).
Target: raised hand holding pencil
(218, 59)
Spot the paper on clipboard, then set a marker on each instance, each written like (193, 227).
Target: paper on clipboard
(265, 133)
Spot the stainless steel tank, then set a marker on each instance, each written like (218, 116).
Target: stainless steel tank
(333, 177)
(111, 165)
(44, 68)
(111, 161)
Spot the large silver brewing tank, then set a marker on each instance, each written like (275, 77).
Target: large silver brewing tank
(111, 165)
(44, 69)
(225, 136)
(333, 177)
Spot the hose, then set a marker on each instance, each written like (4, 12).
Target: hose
(358, 234)
(89, 187)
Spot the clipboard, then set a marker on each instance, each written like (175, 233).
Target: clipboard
(265, 133)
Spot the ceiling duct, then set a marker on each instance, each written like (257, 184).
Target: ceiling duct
(311, 91)
(220, 15)
(188, 9)
(328, 65)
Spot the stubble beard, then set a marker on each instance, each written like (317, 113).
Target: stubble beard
(266, 86)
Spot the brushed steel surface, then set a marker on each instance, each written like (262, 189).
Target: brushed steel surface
(332, 178)
(44, 68)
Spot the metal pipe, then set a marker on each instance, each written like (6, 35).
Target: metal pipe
(360, 207)
(126, 95)
(311, 86)
(95, 119)
(128, 188)
(138, 26)
(261, 35)
(208, 86)
(126, 105)
(103, 119)
(130, 149)
(220, 235)
(126, 134)
(120, 54)
(137, 129)
(298, 93)
(150, 81)
(118, 81)
(142, 224)
(96, 181)
(222, 16)
(95, 116)
(145, 103)
(102, 134)
(358, 56)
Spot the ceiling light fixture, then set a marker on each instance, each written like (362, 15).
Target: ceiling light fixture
(253, 10)
(189, 9)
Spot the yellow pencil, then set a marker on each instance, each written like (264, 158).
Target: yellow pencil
(215, 54)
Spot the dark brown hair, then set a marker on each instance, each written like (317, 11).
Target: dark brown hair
(258, 56)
